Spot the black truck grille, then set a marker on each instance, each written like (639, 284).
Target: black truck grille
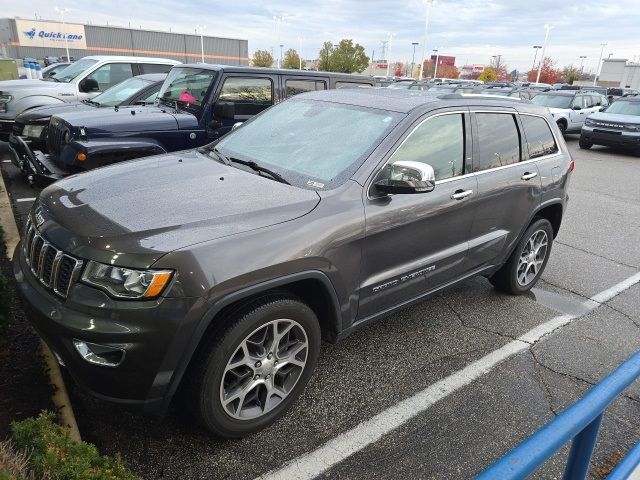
(55, 138)
(55, 269)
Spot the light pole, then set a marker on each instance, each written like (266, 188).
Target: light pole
(62, 11)
(582, 57)
(535, 55)
(389, 54)
(300, 51)
(280, 59)
(200, 28)
(278, 19)
(424, 42)
(435, 70)
(413, 57)
(599, 62)
(547, 27)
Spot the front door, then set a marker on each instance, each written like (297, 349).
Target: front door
(417, 242)
(249, 96)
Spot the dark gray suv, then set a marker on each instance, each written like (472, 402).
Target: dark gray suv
(220, 269)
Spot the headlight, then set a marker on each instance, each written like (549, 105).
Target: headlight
(589, 123)
(123, 282)
(33, 131)
(5, 98)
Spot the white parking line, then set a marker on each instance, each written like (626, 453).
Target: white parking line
(30, 199)
(370, 431)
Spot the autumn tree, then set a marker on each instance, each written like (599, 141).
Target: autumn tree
(291, 59)
(488, 75)
(570, 74)
(500, 68)
(262, 58)
(324, 57)
(448, 71)
(397, 69)
(548, 74)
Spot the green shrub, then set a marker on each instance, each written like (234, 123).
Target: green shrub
(53, 454)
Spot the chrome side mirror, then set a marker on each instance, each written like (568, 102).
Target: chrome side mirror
(407, 177)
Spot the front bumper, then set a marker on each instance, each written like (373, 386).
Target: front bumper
(38, 167)
(150, 333)
(611, 138)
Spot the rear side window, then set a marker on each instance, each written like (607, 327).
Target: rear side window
(439, 142)
(539, 137)
(154, 68)
(351, 84)
(498, 141)
(250, 95)
(295, 87)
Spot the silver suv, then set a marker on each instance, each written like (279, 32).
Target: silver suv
(83, 79)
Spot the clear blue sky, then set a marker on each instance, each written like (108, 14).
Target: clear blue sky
(472, 30)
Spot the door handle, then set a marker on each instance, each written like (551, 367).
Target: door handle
(529, 176)
(461, 194)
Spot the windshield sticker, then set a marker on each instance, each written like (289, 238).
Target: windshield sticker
(314, 184)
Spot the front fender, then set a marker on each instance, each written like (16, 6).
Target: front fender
(106, 151)
(33, 101)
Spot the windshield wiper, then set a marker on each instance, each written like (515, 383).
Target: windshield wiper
(252, 165)
(260, 169)
(90, 102)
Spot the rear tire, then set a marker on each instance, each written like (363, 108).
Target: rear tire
(248, 375)
(584, 144)
(527, 261)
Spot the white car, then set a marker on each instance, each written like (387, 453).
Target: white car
(570, 108)
(83, 79)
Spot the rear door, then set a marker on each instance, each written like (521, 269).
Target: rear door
(508, 185)
(415, 243)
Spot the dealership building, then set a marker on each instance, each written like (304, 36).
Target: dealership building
(21, 38)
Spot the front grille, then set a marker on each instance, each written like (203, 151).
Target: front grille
(56, 270)
(55, 137)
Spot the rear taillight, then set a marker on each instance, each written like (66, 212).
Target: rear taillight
(572, 165)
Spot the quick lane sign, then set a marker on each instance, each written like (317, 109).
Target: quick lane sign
(33, 33)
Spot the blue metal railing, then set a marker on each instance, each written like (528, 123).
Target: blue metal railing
(580, 422)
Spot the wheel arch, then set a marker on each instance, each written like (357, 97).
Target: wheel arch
(553, 213)
(312, 287)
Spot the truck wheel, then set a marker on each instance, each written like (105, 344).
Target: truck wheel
(528, 260)
(584, 144)
(247, 376)
(562, 125)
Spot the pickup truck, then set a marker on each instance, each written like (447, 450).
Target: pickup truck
(197, 104)
(84, 79)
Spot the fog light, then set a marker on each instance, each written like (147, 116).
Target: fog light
(102, 355)
(81, 156)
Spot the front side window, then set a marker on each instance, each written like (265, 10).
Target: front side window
(498, 141)
(539, 137)
(249, 95)
(312, 144)
(577, 102)
(587, 101)
(295, 87)
(439, 142)
(121, 92)
(154, 68)
(187, 86)
(73, 70)
(111, 74)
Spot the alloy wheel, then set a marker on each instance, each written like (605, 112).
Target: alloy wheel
(532, 257)
(264, 369)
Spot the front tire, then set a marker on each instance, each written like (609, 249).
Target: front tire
(562, 125)
(247, 377)
(528, 260)
(584, 144)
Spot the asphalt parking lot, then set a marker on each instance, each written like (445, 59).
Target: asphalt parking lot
(399, 400)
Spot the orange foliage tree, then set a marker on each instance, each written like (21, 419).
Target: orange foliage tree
(548, 74)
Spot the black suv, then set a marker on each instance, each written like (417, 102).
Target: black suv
(220, 269)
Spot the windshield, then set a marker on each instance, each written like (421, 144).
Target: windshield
(311, 144)
(553, 101)
(121, 92)
(73, 70)
(187, 85)
(624, 107)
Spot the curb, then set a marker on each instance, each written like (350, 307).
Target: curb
(60, 396)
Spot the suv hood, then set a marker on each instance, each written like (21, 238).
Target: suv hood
(129, 119)
(28, 84)
(615, 118)
(555, 111)
(154, 205)
(43, 113)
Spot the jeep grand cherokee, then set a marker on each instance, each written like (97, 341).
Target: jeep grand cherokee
(220, 269)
